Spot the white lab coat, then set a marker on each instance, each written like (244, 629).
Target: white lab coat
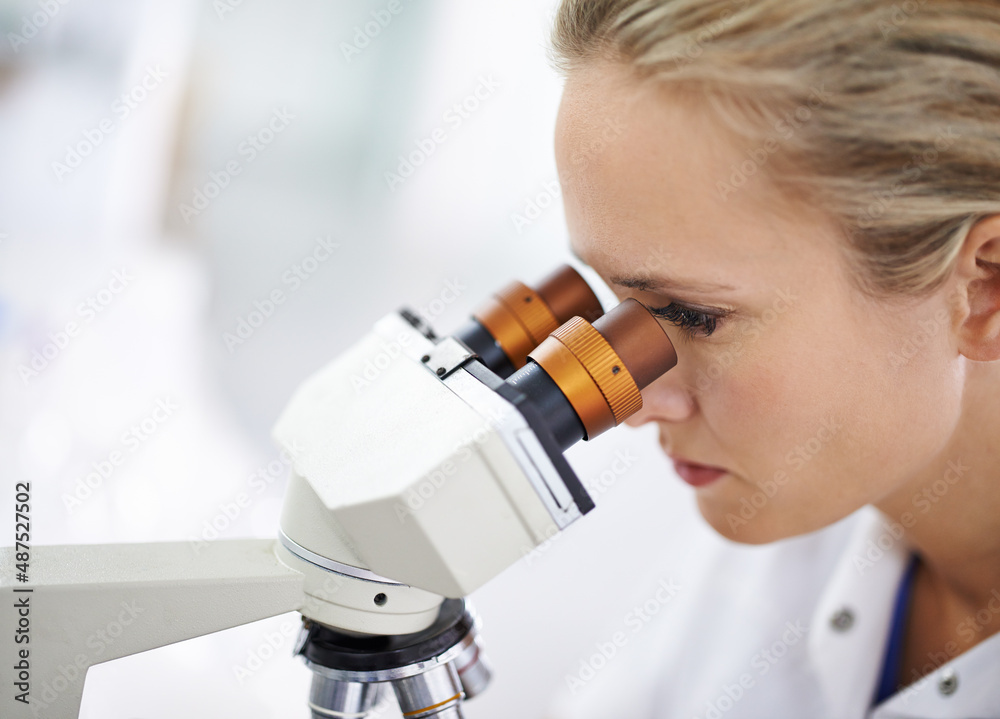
(796, 629)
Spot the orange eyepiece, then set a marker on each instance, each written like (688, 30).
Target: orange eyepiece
(602, 367)
(519, 318)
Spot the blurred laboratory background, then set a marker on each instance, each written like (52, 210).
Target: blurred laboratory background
(203, 202)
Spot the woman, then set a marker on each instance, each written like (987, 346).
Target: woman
(808, 193)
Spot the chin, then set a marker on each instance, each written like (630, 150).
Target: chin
(759, 528)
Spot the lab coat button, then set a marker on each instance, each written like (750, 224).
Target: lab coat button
(842, 620)
(948, 683)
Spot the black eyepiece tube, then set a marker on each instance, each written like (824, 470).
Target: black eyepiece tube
(551, 403)
(477, 339)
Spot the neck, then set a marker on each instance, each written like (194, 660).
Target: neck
(953, 505)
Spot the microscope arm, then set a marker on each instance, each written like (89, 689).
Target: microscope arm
(95, 603)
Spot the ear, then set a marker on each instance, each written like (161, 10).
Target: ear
(978, 275)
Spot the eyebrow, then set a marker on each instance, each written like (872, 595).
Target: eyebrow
(646, 284)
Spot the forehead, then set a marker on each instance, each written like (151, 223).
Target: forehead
(652, 178)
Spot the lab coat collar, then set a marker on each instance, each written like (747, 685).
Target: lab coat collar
(850, 626)
(850, 629)
(967, 687)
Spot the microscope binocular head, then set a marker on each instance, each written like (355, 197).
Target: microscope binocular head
(424, 466)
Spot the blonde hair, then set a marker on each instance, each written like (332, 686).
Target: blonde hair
(886, 114)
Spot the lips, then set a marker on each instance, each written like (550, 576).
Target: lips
(697, 475)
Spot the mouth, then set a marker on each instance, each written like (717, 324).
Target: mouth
(697, 475)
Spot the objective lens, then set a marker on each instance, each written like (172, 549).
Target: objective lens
(434, 693)
(335, 699)
(518, 318)
(473, 669)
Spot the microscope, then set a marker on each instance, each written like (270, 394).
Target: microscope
(422, 466)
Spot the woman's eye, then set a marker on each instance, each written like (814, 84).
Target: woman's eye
(690, 321)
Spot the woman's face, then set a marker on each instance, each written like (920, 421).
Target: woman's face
(813, 398)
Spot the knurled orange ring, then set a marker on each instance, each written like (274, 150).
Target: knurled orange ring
(591, 375)
(518, 319)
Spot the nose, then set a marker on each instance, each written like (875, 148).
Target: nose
(667, 399)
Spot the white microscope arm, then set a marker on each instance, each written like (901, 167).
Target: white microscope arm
(93, 603)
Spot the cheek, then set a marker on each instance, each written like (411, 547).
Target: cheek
(764, 398)
(835, 421)
(757, 406)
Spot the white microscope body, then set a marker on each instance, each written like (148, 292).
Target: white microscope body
(441, 497)
(417, 475)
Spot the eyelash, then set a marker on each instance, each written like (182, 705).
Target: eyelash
(692, 322)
